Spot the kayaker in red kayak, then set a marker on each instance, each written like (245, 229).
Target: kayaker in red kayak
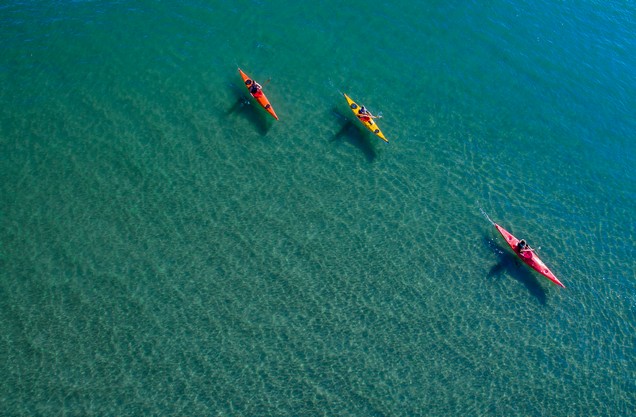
(522, 247)
(527, 255)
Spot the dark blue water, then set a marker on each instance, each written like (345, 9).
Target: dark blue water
(167, 248)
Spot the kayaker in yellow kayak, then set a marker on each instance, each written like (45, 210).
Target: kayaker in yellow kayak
(365, 115)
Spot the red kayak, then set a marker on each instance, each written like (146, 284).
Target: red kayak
(259, 95)
(528, 257)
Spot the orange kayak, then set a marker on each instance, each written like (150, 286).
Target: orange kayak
(259, 95)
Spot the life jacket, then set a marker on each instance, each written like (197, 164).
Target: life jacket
(256, 92)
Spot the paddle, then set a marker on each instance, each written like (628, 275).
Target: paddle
(486, 216)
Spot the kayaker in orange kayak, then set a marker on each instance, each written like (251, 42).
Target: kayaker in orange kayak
(256, 89)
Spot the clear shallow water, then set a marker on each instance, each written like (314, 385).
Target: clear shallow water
(168, 249)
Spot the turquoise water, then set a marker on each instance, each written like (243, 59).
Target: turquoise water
(167, 248)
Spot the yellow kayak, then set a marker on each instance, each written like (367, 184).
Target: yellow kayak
(365, 120)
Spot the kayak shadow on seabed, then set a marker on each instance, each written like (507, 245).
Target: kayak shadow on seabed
(509, 264)
(355, 136)
(250, 111)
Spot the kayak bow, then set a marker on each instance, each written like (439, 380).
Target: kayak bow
(529, 257)
(369, 124)
(260, 96)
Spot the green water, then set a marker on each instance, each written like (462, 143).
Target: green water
(167, 248)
